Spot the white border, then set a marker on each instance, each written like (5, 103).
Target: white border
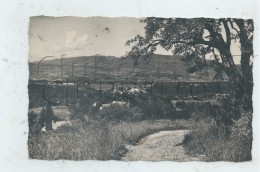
(14, 18)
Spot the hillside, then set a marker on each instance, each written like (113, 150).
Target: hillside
(109, 67)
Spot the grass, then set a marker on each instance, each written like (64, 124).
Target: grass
(101, 141)
(221, 143)
(96, 141)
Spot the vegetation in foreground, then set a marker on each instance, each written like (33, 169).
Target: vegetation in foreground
(218, 134)
(98, 141)
(219, 142)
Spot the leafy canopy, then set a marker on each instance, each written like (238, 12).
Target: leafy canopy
(195, 38)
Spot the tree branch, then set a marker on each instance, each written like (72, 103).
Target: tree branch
(232, 26)
(217, 38)
(156, 42)
(228, 38)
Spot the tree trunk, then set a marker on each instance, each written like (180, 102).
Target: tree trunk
(246, 69)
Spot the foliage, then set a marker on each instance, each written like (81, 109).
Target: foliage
(221, 142)
(42, 117)
(195, 38)
(81, 108)
(49, 115)
(32, 119)
(120, 112)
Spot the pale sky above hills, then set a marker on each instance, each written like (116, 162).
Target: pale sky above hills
(78, 36)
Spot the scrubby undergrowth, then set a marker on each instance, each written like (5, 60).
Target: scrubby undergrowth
(219, 142)
(100, 141)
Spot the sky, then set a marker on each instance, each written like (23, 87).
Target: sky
(86, 36)
(76, 36)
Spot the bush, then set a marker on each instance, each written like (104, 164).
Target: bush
(222, 142)
(120, 112)
(137, 114)
(32, 119)
(157, 109)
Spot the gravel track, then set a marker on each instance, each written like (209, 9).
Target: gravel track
(161, 146)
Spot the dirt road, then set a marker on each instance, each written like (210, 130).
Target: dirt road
(164, 145)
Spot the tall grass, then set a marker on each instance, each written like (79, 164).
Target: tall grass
(219, 142)
(101, 141)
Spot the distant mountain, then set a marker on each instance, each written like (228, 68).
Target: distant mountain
(169, 68)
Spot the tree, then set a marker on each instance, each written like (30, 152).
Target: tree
(31, 119)
(42, 117)
(48, 117)
(34, 126)
(194, 39)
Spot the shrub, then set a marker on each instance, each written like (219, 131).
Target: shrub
(120, 112)
(157, 109)
(220, 141)
(42, 118)
(49, 115)
(32, 119)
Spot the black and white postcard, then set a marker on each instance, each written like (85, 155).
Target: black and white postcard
(131, 89)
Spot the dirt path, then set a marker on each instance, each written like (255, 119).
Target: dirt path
(164, 145)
